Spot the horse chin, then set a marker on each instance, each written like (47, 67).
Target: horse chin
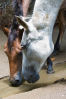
(15, 83)
(32, 78)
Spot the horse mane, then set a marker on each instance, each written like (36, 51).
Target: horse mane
(14, 27)
(12, 36)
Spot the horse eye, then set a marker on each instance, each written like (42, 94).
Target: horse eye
(23, 46)
(20, 53)
(12, 48)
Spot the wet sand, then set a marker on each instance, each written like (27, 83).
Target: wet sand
(45, 88)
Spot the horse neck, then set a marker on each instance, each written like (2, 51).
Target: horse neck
(45, 13)
(31, 8)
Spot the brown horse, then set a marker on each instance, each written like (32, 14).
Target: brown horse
(13, 51)
(12, 47)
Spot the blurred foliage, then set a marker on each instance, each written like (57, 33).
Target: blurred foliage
(6, 13)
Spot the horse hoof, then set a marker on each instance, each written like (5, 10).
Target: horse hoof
(50, 72)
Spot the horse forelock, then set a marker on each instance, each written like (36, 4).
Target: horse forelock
(12, 36)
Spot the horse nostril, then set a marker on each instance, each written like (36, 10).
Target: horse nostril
(17, 80)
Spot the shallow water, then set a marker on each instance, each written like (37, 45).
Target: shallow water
(45, 79)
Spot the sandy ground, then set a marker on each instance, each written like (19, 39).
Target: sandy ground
(41, 89)
(4, 66)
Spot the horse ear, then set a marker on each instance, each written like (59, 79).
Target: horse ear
(22, 22)
(6, 31)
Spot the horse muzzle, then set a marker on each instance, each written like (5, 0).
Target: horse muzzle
(32, 78)
(16, 80)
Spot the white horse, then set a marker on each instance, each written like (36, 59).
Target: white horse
(37, 41)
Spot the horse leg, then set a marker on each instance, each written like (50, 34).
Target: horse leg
(61, 19)
(49, 63)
